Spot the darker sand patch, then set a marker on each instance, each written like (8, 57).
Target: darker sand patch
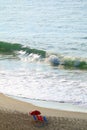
(20, 121)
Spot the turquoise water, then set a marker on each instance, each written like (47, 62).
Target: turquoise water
(44, 30)
(56, 25)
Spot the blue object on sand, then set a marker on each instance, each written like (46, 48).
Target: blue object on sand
(34, 117)
(45, 119)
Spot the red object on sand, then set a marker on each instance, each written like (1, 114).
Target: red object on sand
(35, 112)
(40, 118)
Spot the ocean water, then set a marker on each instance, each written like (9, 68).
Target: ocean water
(44, 31)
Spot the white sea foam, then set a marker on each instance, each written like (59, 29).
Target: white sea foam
(36, 83)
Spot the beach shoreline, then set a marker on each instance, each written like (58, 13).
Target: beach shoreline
(13, 104)
(13, 110)
(52, 104)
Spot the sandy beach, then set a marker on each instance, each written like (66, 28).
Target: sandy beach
(14, 116)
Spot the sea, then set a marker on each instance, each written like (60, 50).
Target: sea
(43, 51)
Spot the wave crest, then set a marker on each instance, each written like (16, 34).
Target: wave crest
(28, 54)
(9, 48)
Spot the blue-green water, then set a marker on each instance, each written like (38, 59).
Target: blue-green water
(44, 30)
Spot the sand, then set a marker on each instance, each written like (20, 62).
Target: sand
(14, 116)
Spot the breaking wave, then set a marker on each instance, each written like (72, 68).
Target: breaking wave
(16, 50)
(9, 48)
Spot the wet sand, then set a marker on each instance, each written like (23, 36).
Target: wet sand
(14, 116)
